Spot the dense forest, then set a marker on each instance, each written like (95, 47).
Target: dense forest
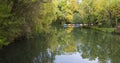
(26, 18)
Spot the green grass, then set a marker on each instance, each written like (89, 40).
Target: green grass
(108, 30)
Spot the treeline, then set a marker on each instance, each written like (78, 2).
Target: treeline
(103, 13)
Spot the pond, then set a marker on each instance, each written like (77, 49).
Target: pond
(65, 46)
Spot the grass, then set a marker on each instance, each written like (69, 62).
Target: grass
(108, 30)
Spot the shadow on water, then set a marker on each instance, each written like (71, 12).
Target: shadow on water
(62, 44)
(26, 51)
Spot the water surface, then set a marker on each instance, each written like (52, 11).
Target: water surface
(65, 46)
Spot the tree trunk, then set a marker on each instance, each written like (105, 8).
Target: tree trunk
(116, 21)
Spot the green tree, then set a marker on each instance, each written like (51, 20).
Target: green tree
(19, 18)
(105, 13)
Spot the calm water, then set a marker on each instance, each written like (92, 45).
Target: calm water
(65, 46)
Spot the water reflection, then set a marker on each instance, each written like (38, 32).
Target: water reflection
(65, 46)
(30, 51)
(93, 44)
(73, 58)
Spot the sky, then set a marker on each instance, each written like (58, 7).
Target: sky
(79, 1)
(74, 58)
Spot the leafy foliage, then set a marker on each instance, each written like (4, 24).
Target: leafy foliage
(19, 18)
(24, 18)
(105, 12)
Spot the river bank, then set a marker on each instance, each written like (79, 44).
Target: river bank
(106, 30)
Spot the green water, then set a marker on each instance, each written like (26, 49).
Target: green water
(59, 46)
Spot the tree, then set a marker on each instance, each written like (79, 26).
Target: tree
(24, 18)
(66, 10)
(105, 12)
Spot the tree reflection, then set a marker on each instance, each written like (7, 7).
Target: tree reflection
(64, 43)
(94, 45)
(40, 49)
(58, 41)
(30, 51)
